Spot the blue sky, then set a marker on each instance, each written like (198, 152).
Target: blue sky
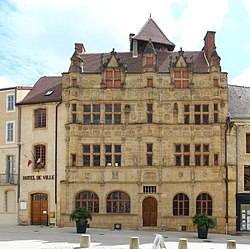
(37, 36)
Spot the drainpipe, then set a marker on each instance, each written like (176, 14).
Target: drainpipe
(237, 158)
(56, 124)
(226, 163)
(19, 161)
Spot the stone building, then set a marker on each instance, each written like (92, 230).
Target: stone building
(10, 152)
(239, 151)
(145, 136)
(42, 119)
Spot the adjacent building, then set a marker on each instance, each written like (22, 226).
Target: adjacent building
(10, 152)
(42, 117)
(239, 152)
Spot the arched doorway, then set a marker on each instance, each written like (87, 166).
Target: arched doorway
(149, 211)
(39, 209)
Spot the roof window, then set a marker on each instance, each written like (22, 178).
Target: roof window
(49, 92)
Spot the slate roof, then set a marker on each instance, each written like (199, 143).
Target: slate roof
(41, 87)
(150, 30)
(239, 102)
(92, 62)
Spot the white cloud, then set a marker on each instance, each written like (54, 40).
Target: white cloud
(198, 18)
(247, 6)
(247, 47)
(6, 83)
(243, 79)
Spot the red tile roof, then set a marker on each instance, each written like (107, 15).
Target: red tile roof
(91, 62)
(41, 87)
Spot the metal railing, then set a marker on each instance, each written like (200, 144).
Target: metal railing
(8, 178)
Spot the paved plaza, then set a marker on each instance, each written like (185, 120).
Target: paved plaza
(42, 237)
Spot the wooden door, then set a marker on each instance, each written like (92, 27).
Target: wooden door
(39, 209)
(149, 212)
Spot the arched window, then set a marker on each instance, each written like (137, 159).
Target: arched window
(181, 205)
(118, 202)
(89, 200)
(204, 204)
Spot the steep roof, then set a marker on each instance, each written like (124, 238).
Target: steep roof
(150, 30)
(46, 89)
(238, 102)
(92, 62)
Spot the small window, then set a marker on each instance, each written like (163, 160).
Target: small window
(73, 159)
(216, 82)
(74, 82)
(247, 178)
(149, 113)
(149, 154)
(149, 189)
(10, 103)
(216, 159)
(10, 132)
(150, 82)
(40, 156)
(40, 118)
(247, 143)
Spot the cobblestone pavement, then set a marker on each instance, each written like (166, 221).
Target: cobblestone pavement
(41, 237)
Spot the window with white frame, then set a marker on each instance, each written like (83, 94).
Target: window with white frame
(11, 169)
(10, 103)
(10, 132)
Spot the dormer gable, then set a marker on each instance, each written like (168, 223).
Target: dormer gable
(181, 71)
(149, 58)
(214, 63)
(76, 62)
(113, 72)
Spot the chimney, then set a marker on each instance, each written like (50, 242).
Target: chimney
(80, 48)
(209, 44)
(135, 48)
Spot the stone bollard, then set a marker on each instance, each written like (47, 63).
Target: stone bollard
(134, 243)
(231, 244)
(85, 241)
(182, 243)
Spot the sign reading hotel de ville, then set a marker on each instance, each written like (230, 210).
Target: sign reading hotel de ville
(39, 177)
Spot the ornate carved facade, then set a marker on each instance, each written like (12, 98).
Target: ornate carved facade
(145, 136)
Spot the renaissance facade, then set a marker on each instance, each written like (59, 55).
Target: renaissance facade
(145, 136)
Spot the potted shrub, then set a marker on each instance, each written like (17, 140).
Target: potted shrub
(203, 223)
(81, 216)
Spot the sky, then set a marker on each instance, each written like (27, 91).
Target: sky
(37, 37)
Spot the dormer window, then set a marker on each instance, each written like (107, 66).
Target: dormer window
(149, 60)
(113, 78)
(181, 79)
(75, 62)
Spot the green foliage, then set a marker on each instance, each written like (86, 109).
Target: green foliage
(202, 220)
(83, 215)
